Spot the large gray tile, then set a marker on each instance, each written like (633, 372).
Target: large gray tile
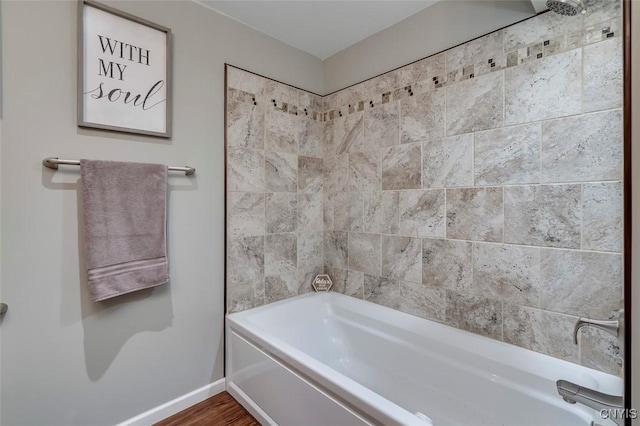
(336, 249)
(382, 291)
(601, 10)
(538, 29)
(246, 259)
(364, 171)
(330, 148)
(310, 214)
(422, 301)
(246, 170)
(508, 156)
(583, 148)
(310, 250)
(281, 286)
(402, 258)
(477, 50)
(375, 87)
(475, 104)
(310, 102)
(245, 295)
(602, 222)
(280, 254)
(505, 272)
(603, 75)
(336, 174)
(402, 167)
(475, 314)
(424, 69)
(475, 214)
(306, 277)
(381, 212)
(581, 283)
(348, 133)
(422, 213)
(281, 212)
(423, 117)
(382, 125)
(447, 264)
(327, 211)
(546, 88)
(364, 252)
(330, 101)
(245, 126)
(311, 139)
(600, 351)
(274, 90)
(549, 333)
(350, 95)
(310, 174)
(347, 282)
(245, 81)
(348, 210)
(246, 214)
(546, 215)
(281, 131)
(281, 172)
(448, 162)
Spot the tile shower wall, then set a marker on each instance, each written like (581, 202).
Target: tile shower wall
(274, 190)
(480, 187)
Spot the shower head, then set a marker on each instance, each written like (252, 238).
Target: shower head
(566, 7)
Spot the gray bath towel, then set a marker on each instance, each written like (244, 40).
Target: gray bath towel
(125, 221)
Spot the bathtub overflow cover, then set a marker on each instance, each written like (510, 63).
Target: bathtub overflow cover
(322, 283)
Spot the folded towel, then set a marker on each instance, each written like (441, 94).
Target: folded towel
(125, 221)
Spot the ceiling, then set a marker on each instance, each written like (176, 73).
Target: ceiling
(323, 28)
(320, 28)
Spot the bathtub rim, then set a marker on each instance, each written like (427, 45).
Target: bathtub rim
(500, 351)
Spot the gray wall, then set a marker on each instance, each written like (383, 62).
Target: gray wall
(65, 359)
(0, 289)
(433, 30)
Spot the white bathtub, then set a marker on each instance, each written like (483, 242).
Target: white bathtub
(328, 359)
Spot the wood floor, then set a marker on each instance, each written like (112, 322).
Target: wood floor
(220, 409)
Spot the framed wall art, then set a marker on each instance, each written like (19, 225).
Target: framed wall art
(124, 72)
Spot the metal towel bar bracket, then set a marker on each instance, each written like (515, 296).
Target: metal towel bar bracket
(54, 162)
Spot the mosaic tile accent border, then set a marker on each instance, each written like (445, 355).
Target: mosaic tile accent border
(250, 98)
(535, 51)
(540, 49)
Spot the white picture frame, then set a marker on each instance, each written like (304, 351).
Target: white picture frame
(124, 72)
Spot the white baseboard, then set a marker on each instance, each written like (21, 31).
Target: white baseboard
(172, 407)
(249, 405)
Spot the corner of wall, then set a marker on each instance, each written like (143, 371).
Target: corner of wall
(439, 27)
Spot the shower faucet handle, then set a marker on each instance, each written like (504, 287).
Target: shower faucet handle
(610, 326)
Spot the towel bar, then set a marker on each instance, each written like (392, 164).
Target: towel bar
(53, 162)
